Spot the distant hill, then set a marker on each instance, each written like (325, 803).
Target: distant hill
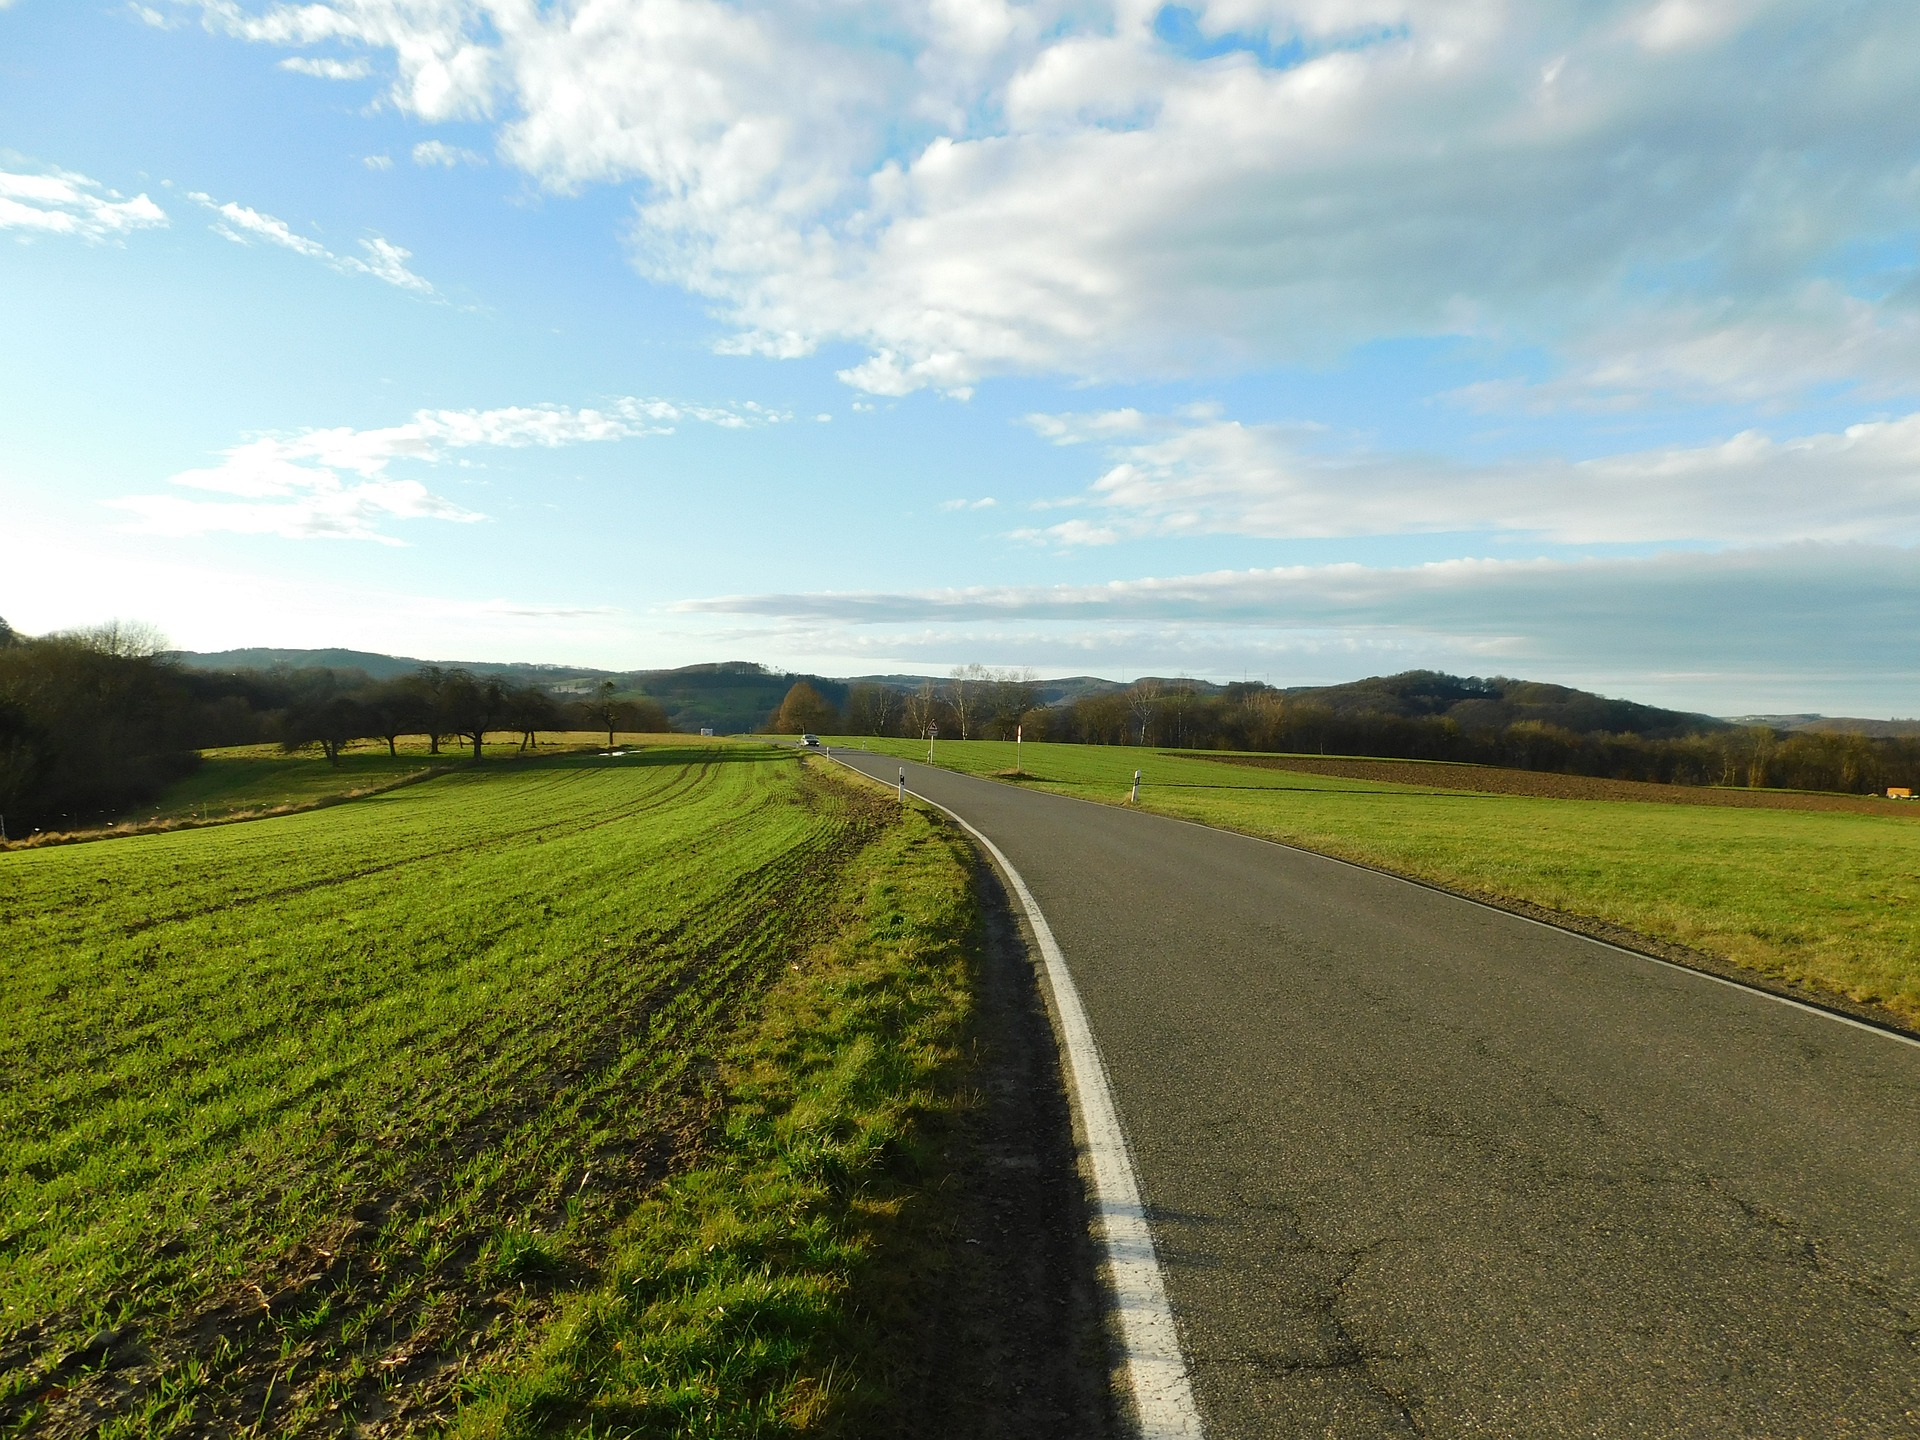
(374, 665)
(1834, 725)
(737, 695)
(732, 696)
(1493, 704)
(1063, 690)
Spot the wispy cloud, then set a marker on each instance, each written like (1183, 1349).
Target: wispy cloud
(986, 502)
(322, 68)
(383, 259)
(438, 152)
(334, 484)
(1199, 474)
(60, 202)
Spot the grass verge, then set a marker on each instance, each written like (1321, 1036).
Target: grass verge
(1824, 901)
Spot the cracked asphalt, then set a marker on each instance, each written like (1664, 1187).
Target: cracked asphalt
(1419, 1167)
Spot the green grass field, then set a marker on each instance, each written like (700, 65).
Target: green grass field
(245, 781)
(1825, 899)
(567, 1093)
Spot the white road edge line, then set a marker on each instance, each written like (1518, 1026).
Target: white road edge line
(1156, 1371)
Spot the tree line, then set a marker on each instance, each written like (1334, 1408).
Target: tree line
(977, 703)
(95, 721)
(974, 703)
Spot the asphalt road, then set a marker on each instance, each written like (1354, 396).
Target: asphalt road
(1419, 1167)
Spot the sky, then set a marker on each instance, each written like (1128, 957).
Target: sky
(1288, 340)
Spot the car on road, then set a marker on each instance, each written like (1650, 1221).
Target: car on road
(813, 740)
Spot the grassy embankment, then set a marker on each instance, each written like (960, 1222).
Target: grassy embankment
(539, 1099)
(1828, 900)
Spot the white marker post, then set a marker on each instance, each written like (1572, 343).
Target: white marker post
(933, 734)
(1016, 750)
(903, 784)
(1134, 799)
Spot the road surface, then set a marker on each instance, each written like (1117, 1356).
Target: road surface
(1415, 1166)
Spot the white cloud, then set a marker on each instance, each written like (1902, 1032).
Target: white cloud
(325, 69)
(377, 162)
(334, 484)
(969, 189)
(324, 509)
(438, 152)
(984, 503)
(1202, 475)
(388, 261)
(383, 259)
(59, 202)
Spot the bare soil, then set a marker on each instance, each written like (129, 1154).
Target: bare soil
(1494, 780)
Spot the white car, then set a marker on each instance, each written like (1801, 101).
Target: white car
(813, 740)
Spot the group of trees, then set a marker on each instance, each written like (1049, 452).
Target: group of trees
(92, 722)
(95, 721)
(88, 722)
(977, 703)
(446, 705)
(1258, 718)
(973, 703)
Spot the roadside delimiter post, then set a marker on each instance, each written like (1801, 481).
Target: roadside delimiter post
(1134, 799)
(903, 784)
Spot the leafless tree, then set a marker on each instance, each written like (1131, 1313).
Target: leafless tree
(1008, 696)
(872, 709)
(963, 696)
(531, 710)
(1143, 701)
(921, 707)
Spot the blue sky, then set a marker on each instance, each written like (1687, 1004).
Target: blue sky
(1300, 341)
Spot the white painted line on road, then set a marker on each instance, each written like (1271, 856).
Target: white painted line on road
(1156, 1371)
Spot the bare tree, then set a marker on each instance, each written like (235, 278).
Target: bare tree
(332, 723)
(1102, 719)
(964, 688)
(921, 708)
(399, 707)
(531, 710)
(606, 708)
(473, 705)
(1008, 696)
(429, 686)
(871, 709)
(1143, 701)
(124, 639)
(1176, 701)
